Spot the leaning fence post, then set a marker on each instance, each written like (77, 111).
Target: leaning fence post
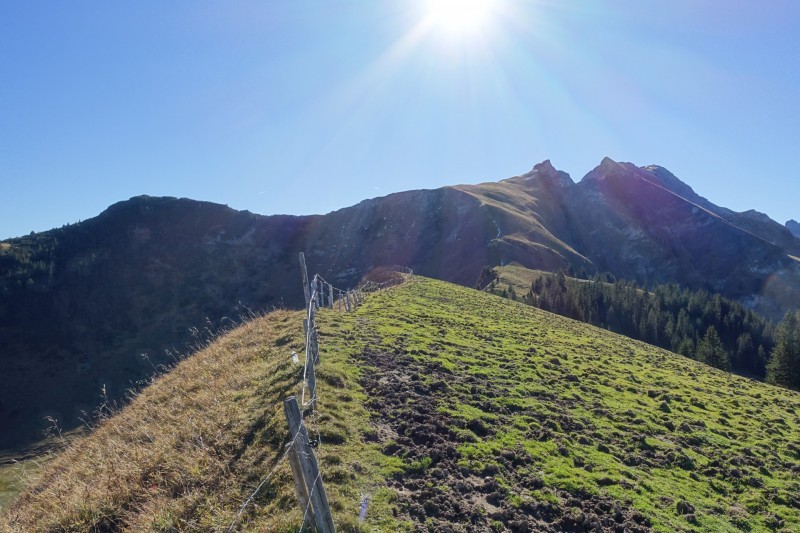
(319, 293)
(308, 467)
(305, 278)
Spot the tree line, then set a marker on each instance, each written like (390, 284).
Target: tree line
(695, 323)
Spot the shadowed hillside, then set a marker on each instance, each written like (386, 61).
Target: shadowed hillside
(100, 304)
(449, 409)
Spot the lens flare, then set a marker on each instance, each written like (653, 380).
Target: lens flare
(460, 17)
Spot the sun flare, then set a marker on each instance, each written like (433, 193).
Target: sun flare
(460, 17)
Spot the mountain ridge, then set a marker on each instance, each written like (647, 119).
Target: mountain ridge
(97, 304)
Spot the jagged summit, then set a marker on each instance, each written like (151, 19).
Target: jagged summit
(608, 168)
(794, 227)
(655, 174)
(545, 172)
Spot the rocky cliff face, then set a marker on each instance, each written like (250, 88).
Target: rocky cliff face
(641, 226)
(100, 303)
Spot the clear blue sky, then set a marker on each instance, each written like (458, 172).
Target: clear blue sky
(306, 106)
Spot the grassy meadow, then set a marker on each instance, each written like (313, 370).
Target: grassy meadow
(442, 408)
(562, 413)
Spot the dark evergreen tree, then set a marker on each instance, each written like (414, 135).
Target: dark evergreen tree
(711, 351)
(784, 365)
(668, 316)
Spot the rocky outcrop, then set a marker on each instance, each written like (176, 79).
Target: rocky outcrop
(794, 227)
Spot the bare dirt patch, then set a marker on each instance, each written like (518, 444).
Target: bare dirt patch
(438, 494)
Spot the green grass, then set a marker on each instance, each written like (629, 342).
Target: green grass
(540, 414)
(13, 479)
(516, 276)
(598, 413)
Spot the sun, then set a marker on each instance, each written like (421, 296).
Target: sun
(460, 17)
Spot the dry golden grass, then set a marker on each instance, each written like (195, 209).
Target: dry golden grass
(187, 452)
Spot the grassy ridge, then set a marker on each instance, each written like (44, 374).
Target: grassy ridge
(192, 447)
(179, 455)
(447, 408)
(582, 414)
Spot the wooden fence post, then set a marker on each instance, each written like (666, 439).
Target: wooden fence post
(308, 467)
(312, 350)
(311, 377)
(347, 301)
(330, 296)
(300, 487)
(305, 278)
(315, 345)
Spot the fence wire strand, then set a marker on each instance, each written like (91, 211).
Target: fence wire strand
(319, 289)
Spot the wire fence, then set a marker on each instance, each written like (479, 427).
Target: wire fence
(319, 293)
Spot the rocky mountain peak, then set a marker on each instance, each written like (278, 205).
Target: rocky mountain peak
(609, 167)
(794, 227)
(598, 173)
(545, 168)
(547, 173)
(757, 216)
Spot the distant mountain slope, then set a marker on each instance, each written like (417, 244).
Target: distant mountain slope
(646, 225)
(81, 304)
(448, 409)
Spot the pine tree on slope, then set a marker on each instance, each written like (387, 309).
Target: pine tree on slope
(711, 351)
(784, 365)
